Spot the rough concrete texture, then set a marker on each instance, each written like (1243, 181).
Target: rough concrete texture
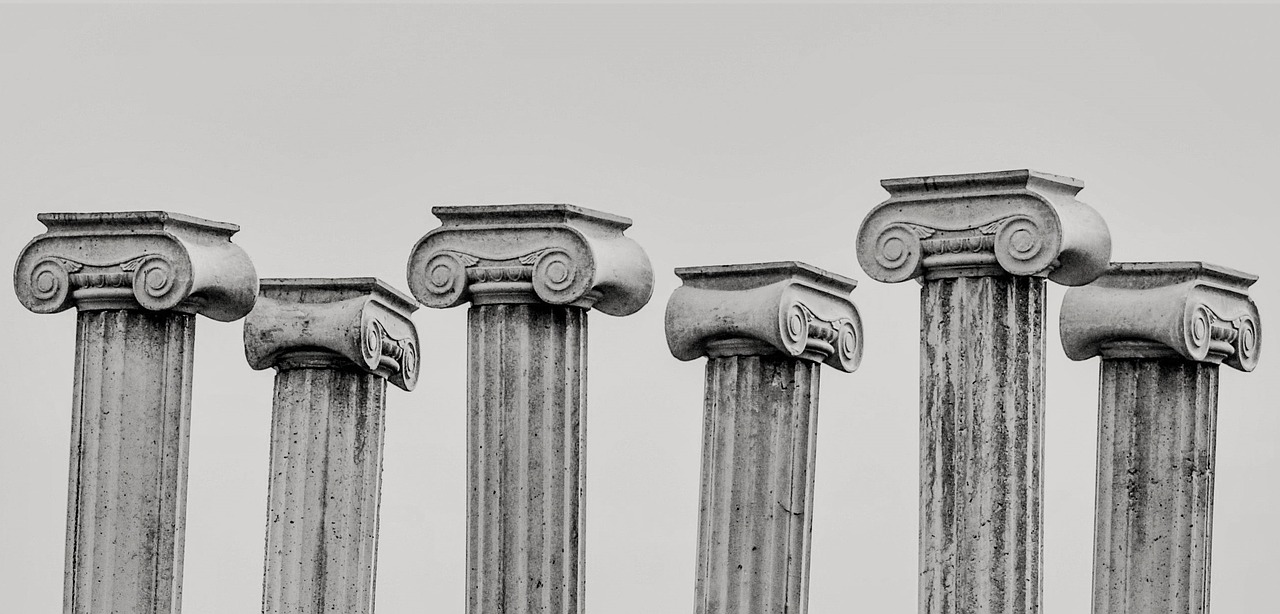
(126, 502)
(755, 513)
(981, 409)
(526, 436)
(1154, 509)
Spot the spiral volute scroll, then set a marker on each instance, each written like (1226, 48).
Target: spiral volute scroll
(1024, 247)
(561, 277)
(442, 282)
(848, 346)
(158, 284)
(1197, 331)
(50, 283)
(1248, 344)
(794, 328)
(897, 254)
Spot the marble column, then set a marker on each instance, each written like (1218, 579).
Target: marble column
(334, 344)
(765, 329)
(138, 280)
(531, 273)
(1161, 329)
(982, 245)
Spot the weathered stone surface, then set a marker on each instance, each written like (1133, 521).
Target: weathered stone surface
(125, 260)
(531, 273)
(334, 343)
(1017, 222)
(557, 254)
(1162, 329)
(1157, 426)
(765, 329)
(981, 432)
(1198, 311)
(137, 279)
(788, 307)
(360, 319)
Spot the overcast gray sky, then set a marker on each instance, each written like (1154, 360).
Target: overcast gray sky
(729, 134)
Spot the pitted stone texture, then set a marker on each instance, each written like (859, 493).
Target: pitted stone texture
(1157, 426)
(327, 433)
(756, 497)
(150, 260)
(526, 437)
(552, 253)
(981, 433)
(1010, 222)
(1194, 310)
(360, 321)
(790, 308)
(126, 500)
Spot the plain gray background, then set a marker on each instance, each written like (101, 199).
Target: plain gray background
(729, 134)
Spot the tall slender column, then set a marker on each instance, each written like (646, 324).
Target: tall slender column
(764, 329)
(137, 279)
(334, 344)
(1162, 329)
(531, 273)
(982, 245)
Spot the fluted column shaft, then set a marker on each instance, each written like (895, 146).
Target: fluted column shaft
(327, 431)
(982, 397)
(756, 500)
(526, 437)
(1153, 524)
(126, 500)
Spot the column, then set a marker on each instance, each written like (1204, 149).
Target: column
(764, 329)
(138, 280)
(531, 273)
(982, 245)
(334, 344)
(1161, 329)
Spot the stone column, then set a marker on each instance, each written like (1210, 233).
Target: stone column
(982, 245)
(531, 273)
(1162, 329)
(334, 344)
(137, 280)
(764, 329)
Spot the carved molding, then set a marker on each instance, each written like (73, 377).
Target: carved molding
(358, 321)
(558, 254)
(788, 307)
(137, 259)
(1009, 222)
(1198, 311)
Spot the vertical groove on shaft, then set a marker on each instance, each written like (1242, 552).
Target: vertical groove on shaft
(322, 503)
(982, 398)
(526, 439)
(1153, 522)
(126, 500)
(755, 513)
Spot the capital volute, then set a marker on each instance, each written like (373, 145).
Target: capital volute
(1195, 310)
(787, 308)
(356, 322)
(556, 254)
(1010, 222)
(150, 260)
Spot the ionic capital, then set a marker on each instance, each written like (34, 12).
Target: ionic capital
(777, 307)
(1195, 310)
(357, 321)
(1010, 222)
(150, 260)
(557, 254)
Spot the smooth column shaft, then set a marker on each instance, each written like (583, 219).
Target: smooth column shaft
(126, 503)
(526, 437)
(756, 501)
(327, 432)
(982, 397)
(1153, 523)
